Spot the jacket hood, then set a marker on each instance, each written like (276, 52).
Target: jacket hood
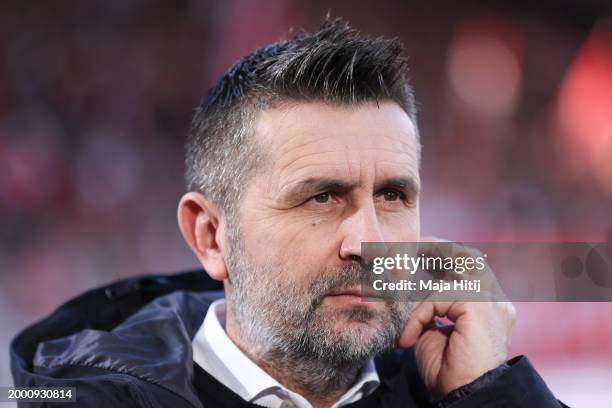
(141, 326)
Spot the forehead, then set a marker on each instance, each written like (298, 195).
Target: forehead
(320, 138)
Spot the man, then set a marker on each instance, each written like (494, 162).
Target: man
(301, 151)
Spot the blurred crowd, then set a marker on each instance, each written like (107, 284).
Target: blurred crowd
(95, 101)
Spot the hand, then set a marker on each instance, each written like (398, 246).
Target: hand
(449, 356)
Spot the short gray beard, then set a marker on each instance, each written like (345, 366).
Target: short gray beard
(282, 329)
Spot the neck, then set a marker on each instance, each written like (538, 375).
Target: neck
(321, 383)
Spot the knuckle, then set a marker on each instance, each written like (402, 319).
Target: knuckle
(509, 310)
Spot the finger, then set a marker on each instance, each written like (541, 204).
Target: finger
(422, 316)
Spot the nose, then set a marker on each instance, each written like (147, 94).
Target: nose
(361, 226)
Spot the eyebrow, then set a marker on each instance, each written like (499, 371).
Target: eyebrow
(405, 184)
(321, 184)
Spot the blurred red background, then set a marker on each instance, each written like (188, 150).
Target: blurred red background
(95, 100)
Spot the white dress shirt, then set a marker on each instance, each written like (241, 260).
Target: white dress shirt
(215, 352)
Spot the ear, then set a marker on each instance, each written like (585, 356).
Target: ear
(199, 221)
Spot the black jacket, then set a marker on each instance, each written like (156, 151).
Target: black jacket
(129, 344)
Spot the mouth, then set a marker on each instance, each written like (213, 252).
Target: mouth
(352, 293)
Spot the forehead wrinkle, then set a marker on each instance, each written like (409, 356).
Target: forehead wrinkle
(285, 124)
(376, 162)
(292, 167)
(408, 163)
(304, 169)
(270, 129)
(405, 144)
(347, 155)
(410, 154)
(303, 157)
(408, 150)
(400, 159)
(305, 143)
(284, 149)
(398, 170)
(298, 178)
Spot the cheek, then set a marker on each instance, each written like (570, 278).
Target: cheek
(405, 227)
(301, 249)
(311, 251)
(309, 234)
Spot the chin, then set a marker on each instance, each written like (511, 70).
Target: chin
(361, 321)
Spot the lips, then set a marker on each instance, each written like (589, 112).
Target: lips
(352, 291)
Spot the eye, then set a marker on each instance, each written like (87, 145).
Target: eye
(322, 198)
(392, 195)
(326, 201)
(393, 200)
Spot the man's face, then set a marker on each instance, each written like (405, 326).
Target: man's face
(332, 178)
